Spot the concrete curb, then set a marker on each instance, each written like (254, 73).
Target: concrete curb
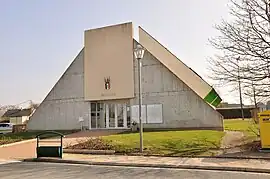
(112, 152)
(210, 157)
(174, 166)
(16, 143)
(86, 151)
(237, 157)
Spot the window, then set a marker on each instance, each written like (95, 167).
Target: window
(95, 106)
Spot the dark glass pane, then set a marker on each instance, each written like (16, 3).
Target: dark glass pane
(98, 106)
(93, 114)
(93, 107)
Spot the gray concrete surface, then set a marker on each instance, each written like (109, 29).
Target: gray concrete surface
(60, 171)
(182, 107)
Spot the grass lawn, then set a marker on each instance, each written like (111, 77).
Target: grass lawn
(15, 137)
(247, 126)
(170, 143)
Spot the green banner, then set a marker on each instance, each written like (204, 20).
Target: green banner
(217, 101)
(213, 98)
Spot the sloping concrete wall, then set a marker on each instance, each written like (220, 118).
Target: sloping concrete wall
(177, 67)
(65, 103)
(182, 107)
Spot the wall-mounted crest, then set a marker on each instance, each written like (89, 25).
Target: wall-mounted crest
(107, 81)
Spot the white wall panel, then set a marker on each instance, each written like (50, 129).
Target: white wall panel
(154, 114)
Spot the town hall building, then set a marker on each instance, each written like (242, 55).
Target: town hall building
(99, 90)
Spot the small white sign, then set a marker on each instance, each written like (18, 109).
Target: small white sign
(81, 119)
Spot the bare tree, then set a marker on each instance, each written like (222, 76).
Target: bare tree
(7, 107)
(244, 45)
(34, 105)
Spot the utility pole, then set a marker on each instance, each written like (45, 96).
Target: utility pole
(254, 95)
(240, 91)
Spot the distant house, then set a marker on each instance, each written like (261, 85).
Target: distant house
(17, 116)
(262, 106)
(2, 112)
(235, 112)
(232, 111)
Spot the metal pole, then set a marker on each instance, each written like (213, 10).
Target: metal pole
(240, 91)
(254, 95)
(140, 104)
(241, 103)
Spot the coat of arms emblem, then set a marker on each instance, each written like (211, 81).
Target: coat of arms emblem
(107, 83)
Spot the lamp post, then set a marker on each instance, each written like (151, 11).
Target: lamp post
(139, 52)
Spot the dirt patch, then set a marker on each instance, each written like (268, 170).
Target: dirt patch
(232, 142)
(236, 143)
(232, 139)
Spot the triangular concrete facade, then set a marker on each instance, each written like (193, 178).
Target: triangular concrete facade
(182, 107)
(65, 103)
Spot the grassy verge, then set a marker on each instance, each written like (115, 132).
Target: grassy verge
(15, 137)
(167, 143)
(6, 140)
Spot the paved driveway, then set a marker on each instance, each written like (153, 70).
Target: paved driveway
(49, 170)
(28, 149)
(19, 151)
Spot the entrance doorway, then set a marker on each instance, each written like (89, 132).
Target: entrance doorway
(108, 115)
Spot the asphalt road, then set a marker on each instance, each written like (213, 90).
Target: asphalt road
(23, 170)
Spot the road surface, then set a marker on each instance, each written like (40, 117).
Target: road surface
(21, 170)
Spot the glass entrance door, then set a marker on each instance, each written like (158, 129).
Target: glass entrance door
(94, 114)
(108, 115)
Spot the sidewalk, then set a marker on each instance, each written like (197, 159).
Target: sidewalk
(250, 165)
(27, 148)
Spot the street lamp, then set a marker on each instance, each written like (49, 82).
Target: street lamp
(139, 52)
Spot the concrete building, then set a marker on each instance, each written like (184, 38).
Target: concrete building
(99, 90)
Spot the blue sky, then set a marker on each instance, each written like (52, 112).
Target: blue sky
(40, 38)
